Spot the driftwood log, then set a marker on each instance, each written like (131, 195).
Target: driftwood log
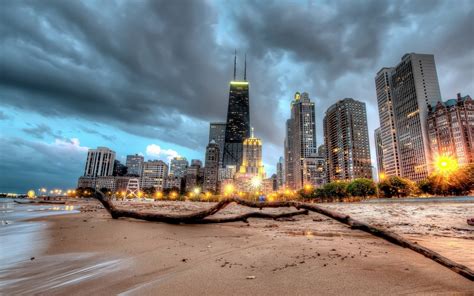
(48, 202)
(201, 218)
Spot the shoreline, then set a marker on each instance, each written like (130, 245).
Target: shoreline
(306, 255)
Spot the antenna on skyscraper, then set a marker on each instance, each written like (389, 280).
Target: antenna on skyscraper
(245, 68)
(235, 62)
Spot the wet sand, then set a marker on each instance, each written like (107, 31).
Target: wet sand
(91, 254)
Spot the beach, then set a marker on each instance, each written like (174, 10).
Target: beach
(89, 253)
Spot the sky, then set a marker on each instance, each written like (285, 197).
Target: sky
(147, 77)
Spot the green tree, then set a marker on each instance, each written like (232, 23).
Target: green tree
(396, 186)
(361, 187)
(335, 190)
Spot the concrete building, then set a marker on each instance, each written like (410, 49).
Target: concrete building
(289, 156)
(300, 141)
(134, 165)
(86, 182)
(211, 169)
(314, 171)
(346, 138)
(178, 166)
(217, 133)
(194, 175)
(252, 162)
(280, 174)
(414, 86)
(227, 173)
(173, 182)
(100, 162)
(379, 151)
(154, 174)
(390, 162)
(451, 129)
(112, 183)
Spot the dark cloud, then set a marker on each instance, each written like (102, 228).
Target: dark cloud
(110, 138)
(41, 130)
(160, 69)
(51, 165)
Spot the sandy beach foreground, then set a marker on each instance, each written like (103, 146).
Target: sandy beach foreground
(89, 253)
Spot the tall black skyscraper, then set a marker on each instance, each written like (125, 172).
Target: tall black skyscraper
(238, 119)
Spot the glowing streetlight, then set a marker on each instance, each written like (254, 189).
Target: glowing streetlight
(256, 182)
(197, 190)
(228, 189)
(159, 194)
(173, 195)
(382, 176)
(308, 187)
(445, 164)
(31, 194)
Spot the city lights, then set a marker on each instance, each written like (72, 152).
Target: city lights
(256, 182)
(445, 165)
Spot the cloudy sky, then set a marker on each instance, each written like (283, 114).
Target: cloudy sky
(148, 76)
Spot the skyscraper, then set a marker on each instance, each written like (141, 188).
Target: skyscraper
(194, 175)
(211, 169)
(217, 133)
(379, 151)
(154, 174)
(178, 166)
(414, 86)
(252, 163)
(100, 162)
(280, 175)
(451, 129)
(346, 137)
(300, 138)
(388, 136)
(238, 120)
(134, 164)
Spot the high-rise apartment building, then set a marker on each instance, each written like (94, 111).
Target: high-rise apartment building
(211, 169)
(300, 141)
(217, 133)
(451, 129)
(379, 151)
(100, 162)
(134, 165)
(390, 161)
(178, 166)
(238, 121)
(414, 86)
(314, 171)
(194, 175)
(280, 174)
(346, 138)
(289, 156)
(252, 163)
(154, 174)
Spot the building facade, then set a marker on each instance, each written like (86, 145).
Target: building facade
(100, 162)
(346, 138)
(451, 129)
(238, 119)
(300, 141)
(217, 133)
(252, 162)
(379, 152)
(314, 171)
(194, 175)
(414, 86)
(280, 174)
(390, 162)
(178, 166)
(211, 168)
(154, 174)
(134, 164)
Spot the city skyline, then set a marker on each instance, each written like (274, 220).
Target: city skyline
(51, 120)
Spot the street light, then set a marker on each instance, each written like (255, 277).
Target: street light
(445, 164)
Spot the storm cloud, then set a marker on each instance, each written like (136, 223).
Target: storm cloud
(160, 69)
